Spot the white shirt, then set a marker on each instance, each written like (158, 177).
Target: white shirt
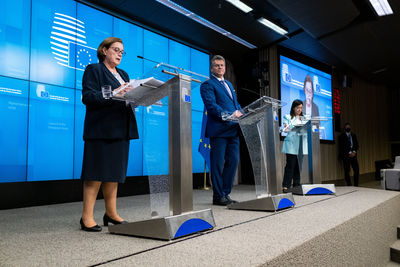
(118, 77)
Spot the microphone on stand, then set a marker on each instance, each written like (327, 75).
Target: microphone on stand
(175, 68)
(161, 63)
(158, 63)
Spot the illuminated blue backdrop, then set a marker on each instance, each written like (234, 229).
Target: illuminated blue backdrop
(45, 47)
(292, 78)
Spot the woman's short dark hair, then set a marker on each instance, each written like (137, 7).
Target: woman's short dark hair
(106, 44)
(295, 103)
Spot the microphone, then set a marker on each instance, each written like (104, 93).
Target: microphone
(250, 91)
(158, 63)
(172, 67)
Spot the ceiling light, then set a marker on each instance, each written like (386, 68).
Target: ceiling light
(197, 18)
(272, 26)
(382, 7)
(239, 4)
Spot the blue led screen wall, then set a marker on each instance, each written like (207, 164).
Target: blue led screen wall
(15, 17)
(292, 79)
(46, 46)
(14, 129)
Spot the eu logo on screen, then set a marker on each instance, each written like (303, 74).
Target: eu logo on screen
(68, 43)
(288, 77)
(318, 88)
(84, 55)
(316, 84)
(41, 91)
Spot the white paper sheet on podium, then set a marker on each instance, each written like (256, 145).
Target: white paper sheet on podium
(145, 92)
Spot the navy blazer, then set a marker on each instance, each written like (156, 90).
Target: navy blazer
(216, 100)
(105, 118)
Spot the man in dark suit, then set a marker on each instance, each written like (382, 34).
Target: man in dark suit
(220, 98)
(348, 146)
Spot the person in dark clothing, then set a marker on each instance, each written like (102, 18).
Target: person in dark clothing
(348, 146)
(109, 125)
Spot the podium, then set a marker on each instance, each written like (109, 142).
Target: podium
(260, 127)
(309, 159)
(182, 220)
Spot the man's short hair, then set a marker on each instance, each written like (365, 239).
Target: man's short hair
(214, 58)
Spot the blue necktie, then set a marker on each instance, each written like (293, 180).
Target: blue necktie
(226, 87)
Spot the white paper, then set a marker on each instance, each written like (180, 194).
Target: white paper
(143, 90)
(131, 83)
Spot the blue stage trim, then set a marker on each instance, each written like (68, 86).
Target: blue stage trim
(285, 203)
(192, 226)
(319, 191)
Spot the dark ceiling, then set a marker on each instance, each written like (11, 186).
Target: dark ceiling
(346, 34)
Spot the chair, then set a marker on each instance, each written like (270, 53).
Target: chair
(391, 177)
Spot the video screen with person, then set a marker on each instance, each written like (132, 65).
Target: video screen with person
(313, 87)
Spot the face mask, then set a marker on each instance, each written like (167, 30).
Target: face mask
(348, 130)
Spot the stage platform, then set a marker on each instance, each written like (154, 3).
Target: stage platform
(354, 228)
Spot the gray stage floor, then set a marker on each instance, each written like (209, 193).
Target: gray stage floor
(50, 235)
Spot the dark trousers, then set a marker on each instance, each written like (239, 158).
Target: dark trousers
(292, 171)
(354, 164)
(224, 157)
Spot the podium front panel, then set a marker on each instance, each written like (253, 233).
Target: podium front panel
(260, 127)
(303, 156)
(254, 133)
(308, 151)
(180, 145)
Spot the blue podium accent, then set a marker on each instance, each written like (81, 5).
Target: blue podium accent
(192, 226)
(285, 203)
(319, 191)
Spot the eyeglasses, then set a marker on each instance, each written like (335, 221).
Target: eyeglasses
(117, 50)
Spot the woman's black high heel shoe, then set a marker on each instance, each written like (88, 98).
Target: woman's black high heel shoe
(107, 219)
(96, 228)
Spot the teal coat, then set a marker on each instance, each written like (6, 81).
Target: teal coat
(291, 143)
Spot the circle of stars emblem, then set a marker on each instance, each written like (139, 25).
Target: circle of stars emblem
(83, 58)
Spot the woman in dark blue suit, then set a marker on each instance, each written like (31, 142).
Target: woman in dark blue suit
(109, 125)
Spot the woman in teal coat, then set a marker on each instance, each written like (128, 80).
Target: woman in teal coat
(291, 145)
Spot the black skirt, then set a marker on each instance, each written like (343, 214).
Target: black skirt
(105, 160)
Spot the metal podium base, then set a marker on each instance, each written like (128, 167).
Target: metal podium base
(168, 228)
(314, 189)
(271, 203)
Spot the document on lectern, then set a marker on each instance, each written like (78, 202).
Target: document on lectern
(144, 91)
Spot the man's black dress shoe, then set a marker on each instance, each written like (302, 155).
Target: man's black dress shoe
(96, 228)
(231, 200)
(223, 201)
(107, 219)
